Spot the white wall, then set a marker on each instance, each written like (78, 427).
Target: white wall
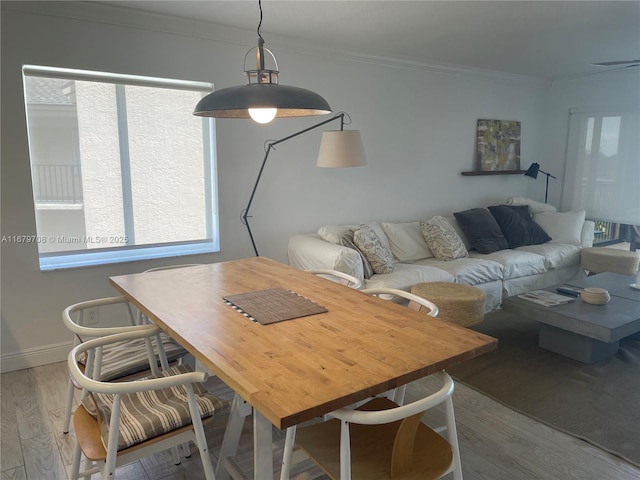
(418, 127)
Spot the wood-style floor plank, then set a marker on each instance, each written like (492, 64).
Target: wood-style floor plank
(496, 442)
(10, 448)
(15, 474)
(42, 458)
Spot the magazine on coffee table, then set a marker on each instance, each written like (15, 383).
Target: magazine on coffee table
(546, 299)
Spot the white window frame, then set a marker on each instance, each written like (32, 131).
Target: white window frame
(127, 253)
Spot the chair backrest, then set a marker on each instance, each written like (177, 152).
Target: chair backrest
(414, 301)
(128, 414)
(343, 278)
(414, 447)
(125, 358)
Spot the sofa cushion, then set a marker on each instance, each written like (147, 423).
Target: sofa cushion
(482, 230)
(517, 226)
(376, 253)
(347, 241)
(406, 241)
(517, 263)
(534, 207)
(333, 233)
(562, 227)
(442, 239)
(470, 271)
(405, 275)
(556, 255)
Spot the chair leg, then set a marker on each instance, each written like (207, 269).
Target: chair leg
(201, 440)
(452, 437)
(287, 453)
(75, 464)
(67, 416)
(177, 460)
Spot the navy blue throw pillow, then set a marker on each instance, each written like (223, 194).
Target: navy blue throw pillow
(517, 225)
(482, 230)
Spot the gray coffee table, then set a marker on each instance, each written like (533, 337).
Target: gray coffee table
(584, 332)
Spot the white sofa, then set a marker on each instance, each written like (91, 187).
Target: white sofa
(502, 273)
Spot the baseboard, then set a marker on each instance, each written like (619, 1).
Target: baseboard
(35, 357)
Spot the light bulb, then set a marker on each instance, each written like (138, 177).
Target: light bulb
(263, 115)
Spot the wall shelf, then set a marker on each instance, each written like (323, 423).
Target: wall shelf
(493, 172)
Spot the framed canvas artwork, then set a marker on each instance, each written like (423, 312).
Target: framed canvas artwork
(498, 145)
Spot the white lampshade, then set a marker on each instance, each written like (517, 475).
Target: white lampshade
(340, 149)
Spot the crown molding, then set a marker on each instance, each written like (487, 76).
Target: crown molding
(126, 17)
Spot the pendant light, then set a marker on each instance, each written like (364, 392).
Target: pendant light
(262, 98)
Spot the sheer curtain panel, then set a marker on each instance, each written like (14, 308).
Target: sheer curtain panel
(602, 169)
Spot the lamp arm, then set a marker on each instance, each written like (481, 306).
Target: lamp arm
(547, 174)
(245, 213)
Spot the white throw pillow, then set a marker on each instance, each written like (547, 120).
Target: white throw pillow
(442, 239)
(333, 233)
(534, 207)
(406, 241)
(376, 253)
(562, 227)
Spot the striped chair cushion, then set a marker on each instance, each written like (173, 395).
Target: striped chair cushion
(126, 358)
(145, 415)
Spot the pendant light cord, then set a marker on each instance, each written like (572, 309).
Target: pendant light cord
(260, 39)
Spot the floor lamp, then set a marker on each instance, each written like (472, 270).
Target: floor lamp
(338, 149)
(532, 172)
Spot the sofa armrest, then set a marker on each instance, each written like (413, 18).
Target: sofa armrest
(309, 251)
(587, 234)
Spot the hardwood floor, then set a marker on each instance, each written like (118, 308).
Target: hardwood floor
(496, 442)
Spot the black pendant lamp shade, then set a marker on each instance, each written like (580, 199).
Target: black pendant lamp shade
(262, 98)
(235, 102)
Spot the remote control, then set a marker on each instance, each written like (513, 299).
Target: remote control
(574, 292)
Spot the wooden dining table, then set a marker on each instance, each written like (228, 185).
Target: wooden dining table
(295, 370)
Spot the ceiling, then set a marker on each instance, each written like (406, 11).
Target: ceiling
(544, 39)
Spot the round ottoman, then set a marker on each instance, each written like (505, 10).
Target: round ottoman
(602, 259)
(457, 303)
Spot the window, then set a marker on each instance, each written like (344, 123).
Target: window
(602, 170)
(121, 169)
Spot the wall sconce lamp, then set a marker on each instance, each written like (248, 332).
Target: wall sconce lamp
(532, 172)
(338, 149)
(261, 99)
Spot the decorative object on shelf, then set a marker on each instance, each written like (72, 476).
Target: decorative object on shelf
(595, 296)
(533, 173)
(262, 98)
(498, 145)
(338, 149)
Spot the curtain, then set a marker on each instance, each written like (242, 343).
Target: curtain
(602, 168)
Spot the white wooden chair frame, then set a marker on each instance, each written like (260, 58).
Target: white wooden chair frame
(343, 278)
(164, 442)
(348, 416)
(415, 303)
(72, 317)
(397, 395)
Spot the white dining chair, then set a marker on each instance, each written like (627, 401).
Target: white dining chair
(397, 395)
(120, 422)
(341, 277)
(118, 360)
(413, 302)
(382, 440)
